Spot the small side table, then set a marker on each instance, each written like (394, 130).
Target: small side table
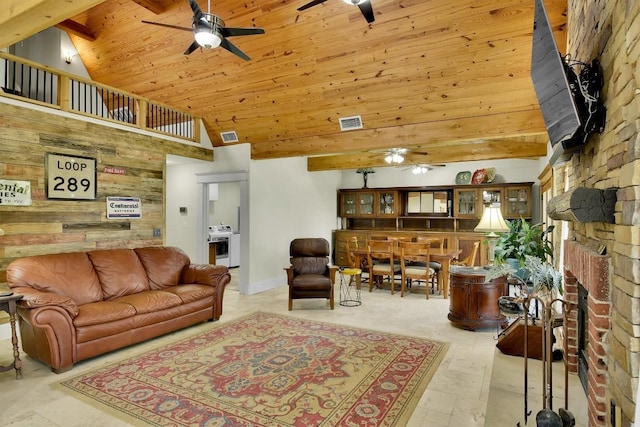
(474, 303)
(8, 304)
(350, 297)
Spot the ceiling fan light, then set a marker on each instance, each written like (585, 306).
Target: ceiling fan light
(389, 158)
(354, 2)
(206, 38)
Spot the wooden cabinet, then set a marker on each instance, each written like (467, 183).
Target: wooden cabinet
(357, 203)
(517, 202)
(340, 237)
(474, 303)
(466, 203)
(387, 203)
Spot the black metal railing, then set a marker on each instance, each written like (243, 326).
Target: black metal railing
(26, 81)
(33, 82)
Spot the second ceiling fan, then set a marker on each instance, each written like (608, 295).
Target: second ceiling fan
(209, 31)
(364, 5)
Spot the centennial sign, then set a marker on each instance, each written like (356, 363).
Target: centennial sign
(15, 193)
(124, 207)
(71, 177)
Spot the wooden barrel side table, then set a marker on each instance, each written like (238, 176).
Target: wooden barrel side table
(473, 303)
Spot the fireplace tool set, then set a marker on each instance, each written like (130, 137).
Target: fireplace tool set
(520, 306)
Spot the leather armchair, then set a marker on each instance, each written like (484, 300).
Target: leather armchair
(309, 275)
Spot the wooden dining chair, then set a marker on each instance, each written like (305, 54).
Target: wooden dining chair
(437, 244)
(469, 261)
(414, 264)
(380, 259)
(351, 244)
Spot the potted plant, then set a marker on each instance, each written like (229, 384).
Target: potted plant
(546, 283)
(522, 240)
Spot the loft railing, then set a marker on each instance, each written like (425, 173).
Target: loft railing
(32, 82)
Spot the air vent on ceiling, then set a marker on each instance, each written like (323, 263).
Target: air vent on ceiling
(230, 136)
(350, 123)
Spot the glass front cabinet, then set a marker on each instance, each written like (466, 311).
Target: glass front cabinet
(356, 203)
(466, 203)
(517, 202)
(387, 203)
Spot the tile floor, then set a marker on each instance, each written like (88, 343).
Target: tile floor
(475, 385)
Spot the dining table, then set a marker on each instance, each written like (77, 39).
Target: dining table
(443, 257)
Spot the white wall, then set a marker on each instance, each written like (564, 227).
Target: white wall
(286, 202)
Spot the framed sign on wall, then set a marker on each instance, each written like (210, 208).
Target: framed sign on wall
(70, 177)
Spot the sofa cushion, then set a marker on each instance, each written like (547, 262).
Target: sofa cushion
(150, 301)
(191, 292)
(164, 265)
(103, 312)
(69, 274)
(120, 272)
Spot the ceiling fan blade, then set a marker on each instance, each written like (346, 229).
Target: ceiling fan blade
(231, 48)
(311, 3)
(192, 48)
(367, 11)
(228, 32)
(197, 13)
(175, 27)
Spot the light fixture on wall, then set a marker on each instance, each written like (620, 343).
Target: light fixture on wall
(492, 222)
(68, 56)
(395, 155)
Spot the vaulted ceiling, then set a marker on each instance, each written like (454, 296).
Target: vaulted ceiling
(447, 79)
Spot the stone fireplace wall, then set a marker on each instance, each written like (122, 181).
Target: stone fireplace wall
(609, 30)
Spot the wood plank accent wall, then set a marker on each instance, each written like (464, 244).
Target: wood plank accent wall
(51, 226)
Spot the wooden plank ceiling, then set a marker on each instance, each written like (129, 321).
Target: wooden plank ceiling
(447, 79)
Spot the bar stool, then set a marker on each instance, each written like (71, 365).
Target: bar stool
(350, 297)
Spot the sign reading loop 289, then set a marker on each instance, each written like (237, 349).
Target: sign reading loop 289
(71, 177)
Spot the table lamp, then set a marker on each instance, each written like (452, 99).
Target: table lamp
(492, 222)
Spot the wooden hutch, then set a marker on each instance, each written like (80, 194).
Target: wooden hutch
(451, 211)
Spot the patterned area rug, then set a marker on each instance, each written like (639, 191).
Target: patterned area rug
(268, 370)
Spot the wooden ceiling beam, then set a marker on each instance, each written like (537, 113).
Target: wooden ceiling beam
(423, 134)
(77, 28)
(154, 6)
(456, 152)
(23, 18)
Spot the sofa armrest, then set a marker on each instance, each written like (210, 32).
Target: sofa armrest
(33, 298)
(206, 274)
(48, 335)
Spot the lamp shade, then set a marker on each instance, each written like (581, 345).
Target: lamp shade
(492, 221)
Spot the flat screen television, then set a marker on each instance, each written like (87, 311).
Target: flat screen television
(551, 77)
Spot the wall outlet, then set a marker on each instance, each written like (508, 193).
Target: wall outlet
(156, 232)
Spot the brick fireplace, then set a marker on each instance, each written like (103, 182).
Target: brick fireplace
(584, 266)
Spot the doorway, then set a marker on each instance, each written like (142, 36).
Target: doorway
(204, 180)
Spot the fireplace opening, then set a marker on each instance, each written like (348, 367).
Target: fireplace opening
(583, 336)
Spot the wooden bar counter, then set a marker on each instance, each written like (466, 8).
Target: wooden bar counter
(474, 303)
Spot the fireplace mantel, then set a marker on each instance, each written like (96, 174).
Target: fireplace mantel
(584, 205)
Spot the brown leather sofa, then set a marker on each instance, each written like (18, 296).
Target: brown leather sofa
(82, 304)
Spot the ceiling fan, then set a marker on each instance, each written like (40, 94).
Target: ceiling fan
(209, 31)
(421, 168)
(364, 5)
